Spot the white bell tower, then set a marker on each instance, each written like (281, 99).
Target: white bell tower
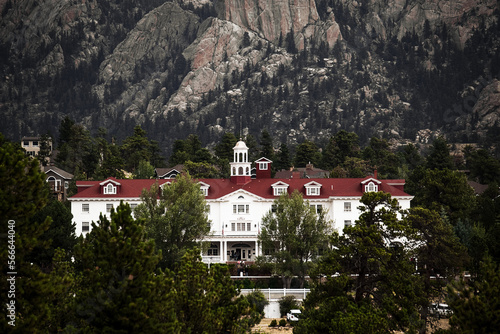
(240, 167)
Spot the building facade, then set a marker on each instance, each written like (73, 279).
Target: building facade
(58, 181)
(237, 205)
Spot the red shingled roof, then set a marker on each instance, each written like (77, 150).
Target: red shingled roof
(350, 187)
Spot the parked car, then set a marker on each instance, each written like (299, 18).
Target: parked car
(293, 315)
(440, 310)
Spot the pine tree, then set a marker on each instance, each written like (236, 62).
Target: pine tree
(22, 194)
(120, 289)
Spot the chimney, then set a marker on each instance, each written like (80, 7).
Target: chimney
(375, 174)
(295, 175)
(309, 166)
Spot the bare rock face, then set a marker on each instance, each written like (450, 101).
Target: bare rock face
(215, 55)
(149, 41)
(487, 108)
(401, 16)
(272, 19)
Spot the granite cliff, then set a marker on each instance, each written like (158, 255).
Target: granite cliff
(300, 68)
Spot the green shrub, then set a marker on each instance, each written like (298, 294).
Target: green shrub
(282, 322)
(287, 303)
(273, 323)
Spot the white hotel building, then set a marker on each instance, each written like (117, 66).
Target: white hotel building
(238, 204)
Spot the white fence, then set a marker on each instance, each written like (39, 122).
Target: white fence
(275, 294)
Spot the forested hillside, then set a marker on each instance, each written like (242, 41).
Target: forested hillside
(403, 71)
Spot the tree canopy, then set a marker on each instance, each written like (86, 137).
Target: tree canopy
(176, 217)
(292, 234)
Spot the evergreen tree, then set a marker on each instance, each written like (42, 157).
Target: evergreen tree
(60, 234)
(376, 290)
(381, 158)
(45, 149)
(266, 145)
(436, 189)
(136, 148)
(340, 147)
(476, 305)
(22, 194)
(119, 288)
(307, 152)
(207, 301)
(283, 158)
(201, 170)
(439, 157)
(438, 252)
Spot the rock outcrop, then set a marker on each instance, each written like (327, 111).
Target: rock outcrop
(274, 19)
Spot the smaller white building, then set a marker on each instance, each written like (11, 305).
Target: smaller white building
(237, 205)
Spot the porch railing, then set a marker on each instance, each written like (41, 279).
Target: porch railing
(270, 294)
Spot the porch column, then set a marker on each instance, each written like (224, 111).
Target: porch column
(224, 255)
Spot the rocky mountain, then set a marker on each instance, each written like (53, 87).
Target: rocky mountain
(405, 70)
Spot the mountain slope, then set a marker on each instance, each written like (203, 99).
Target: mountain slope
(301, 69)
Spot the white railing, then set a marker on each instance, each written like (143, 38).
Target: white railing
(270, 294)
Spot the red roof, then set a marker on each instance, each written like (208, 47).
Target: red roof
(350, 187)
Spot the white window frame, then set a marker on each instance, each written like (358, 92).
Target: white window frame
(109, 189)
(278, 191)
(347, 223)
(312, 191)
(371, 187)
(85, 207)
(85, 227)
(109, 206)
(347, 206)
(263, 165)
(241, 209)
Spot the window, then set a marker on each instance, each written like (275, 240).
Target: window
(110, 189)
(241, 208)
(213, 252)
(26, 143)
(35, 143)
(263, 165)
(85, 207)
(241, 227)
(278, 191)
(312, 191)
(85, 227)
(317, 207)
(371, 187)
(347, 223)
(109, 207)
(347, 206)
(133, 206)
(204, 191)
(66, 184)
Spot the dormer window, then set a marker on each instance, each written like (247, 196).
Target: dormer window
(370, 187)
(313, 188)
(109, 189)
(263, 165)
(204, 188)
(280, 188)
